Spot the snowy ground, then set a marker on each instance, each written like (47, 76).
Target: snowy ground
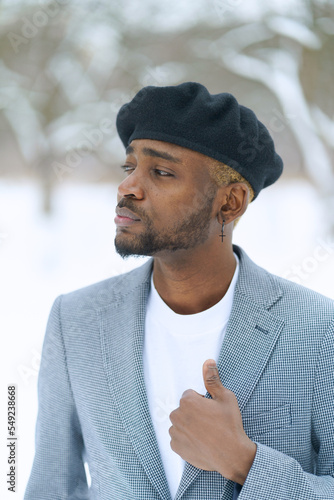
(41, 257)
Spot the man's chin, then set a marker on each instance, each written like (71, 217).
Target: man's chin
(126, 251)
(125, 254)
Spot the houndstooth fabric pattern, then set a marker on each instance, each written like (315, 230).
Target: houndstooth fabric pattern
(277, 357)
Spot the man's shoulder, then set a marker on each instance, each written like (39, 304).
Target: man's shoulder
(277, 292)
(108, 291)
(304, 310)
(306, 297)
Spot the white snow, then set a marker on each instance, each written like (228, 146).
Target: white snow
(292, 28)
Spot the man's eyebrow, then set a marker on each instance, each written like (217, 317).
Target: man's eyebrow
(161, 154)
(155, 153)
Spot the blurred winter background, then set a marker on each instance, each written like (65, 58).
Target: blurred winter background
(66, 67)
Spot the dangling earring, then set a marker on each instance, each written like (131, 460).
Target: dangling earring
(222, 233)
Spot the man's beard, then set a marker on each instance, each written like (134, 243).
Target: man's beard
(192, 230)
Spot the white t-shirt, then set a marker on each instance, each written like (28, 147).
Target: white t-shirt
(175, 348)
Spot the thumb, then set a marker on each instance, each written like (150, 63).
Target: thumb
(211, 379)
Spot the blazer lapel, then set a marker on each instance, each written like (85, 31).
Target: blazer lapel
(122, 334)
(251, 334)
(250, 338)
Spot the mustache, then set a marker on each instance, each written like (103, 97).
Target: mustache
(128, 203)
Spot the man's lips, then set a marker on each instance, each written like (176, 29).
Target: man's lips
(125, 217)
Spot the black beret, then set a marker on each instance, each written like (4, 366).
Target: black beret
(215, 125)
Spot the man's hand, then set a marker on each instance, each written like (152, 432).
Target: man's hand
(208, 433)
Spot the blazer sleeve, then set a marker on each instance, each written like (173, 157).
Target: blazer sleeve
(277, 476)
(58, 469)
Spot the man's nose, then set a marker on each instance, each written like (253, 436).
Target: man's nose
(132, 186)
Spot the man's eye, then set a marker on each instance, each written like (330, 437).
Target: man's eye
(162, 173)
(127, 168)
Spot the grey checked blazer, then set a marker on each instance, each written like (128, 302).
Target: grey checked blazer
(277, 357)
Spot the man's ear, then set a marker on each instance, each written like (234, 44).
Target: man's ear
(234, 202)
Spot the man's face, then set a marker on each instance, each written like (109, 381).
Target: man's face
(166, 201)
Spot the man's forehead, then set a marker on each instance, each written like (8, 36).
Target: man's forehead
(165, 150)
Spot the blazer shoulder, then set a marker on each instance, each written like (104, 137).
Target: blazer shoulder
(108, 291)
(281, 296)
(301, 293)
(304, 309)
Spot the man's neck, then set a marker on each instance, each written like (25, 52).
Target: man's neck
(191, 283)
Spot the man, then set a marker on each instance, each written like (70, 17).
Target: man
(121, 385)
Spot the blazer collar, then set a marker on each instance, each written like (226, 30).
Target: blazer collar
(255, 282)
